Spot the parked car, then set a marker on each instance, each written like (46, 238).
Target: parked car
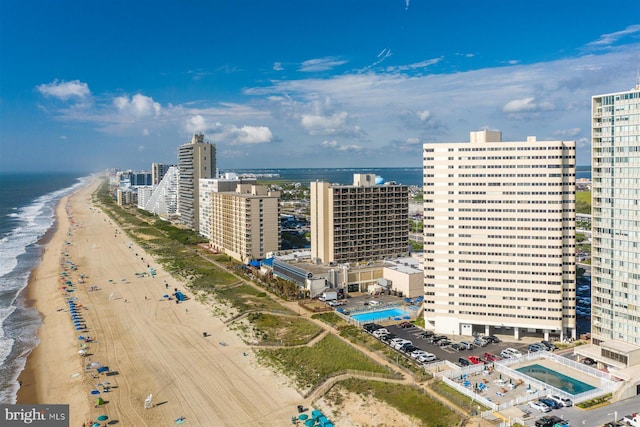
(429, 357)
(436, 338)
(492, 339)
(549, 421)
(491, 357)
(370, 327)
(466, 344)
(550, 403)
(464, 362)
(550, 346)
(409, 348)
(406, 325)
(589, 361)
(444, 343)
(512, 352)
(425, 334)
(564, 401)
(398, 345)
(474, 359)
(417, 353)
(387, 338)
(456, 346)
(379, 332)
(536, 347)
(536, 404)
(480, 342)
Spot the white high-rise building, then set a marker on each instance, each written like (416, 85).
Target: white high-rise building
(615, 257)
(196, 160)
(499, 236)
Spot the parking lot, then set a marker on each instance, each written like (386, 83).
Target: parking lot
(447, 352)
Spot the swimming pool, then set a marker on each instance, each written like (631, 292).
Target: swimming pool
(387, 314)
(556, 379)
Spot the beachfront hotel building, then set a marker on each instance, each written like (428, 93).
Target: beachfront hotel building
(499, 236)
(362, 222)
(615, 222)
(228, 182)
(196, 160)
(245, 223)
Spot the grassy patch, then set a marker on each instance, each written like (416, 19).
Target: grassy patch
(311, 365)
(406, 399)
(331, 318)
(583, 202)
(455, 397)
(283, 330)
(595, 402)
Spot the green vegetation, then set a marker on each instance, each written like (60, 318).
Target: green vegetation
(283, 330)
(406, 399)
(312, 365)
(595, 402)
(416, 246)
(583, 202)
(331, 318)
(454, 396)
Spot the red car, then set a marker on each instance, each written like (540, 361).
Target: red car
(491, 357)
(474, 359)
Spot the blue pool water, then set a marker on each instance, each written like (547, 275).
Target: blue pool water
(387, 314)
(556, 379)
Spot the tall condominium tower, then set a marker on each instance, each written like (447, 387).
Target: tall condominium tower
(158, 170)
(196, 159)
(245, 223)
(615, 261)
(499, 236)
(359, 222)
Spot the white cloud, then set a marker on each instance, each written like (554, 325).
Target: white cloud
(324, 125)
(321, 64)
(567, 133)
(277, 66)
(526, 105)
(330, 144)
(141, 148)
(612, 38)
(138, 105)
(229, 134)
(414, 66)
(423, 115)
(65, 90)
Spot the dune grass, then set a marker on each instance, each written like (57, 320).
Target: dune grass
(406, 399)
(283, 330)
(308, 366)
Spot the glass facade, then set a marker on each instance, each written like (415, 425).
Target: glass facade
(616, 217)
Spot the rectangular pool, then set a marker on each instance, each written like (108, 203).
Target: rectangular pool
(556, 379)
(387, 314)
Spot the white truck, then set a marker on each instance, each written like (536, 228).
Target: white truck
(328, 296)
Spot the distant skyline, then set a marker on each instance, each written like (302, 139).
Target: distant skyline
(89, 85)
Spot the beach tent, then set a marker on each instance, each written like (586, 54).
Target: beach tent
(180, 296)
(99, 401)
(102, 369)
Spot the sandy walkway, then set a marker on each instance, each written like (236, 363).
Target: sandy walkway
(155, 345)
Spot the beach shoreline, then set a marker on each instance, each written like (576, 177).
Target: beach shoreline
(164, 355)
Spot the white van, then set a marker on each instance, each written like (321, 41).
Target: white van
(374, 303)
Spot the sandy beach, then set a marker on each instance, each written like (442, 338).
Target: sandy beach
(151, 345)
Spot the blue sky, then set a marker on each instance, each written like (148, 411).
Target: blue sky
(86, 85)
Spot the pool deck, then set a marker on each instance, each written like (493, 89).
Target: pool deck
(565, 370)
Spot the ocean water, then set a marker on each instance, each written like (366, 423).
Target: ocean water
(27, 203)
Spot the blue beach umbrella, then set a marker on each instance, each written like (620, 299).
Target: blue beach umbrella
(94, 392)
(79, 328)
(95, 425)
(80, 338)
(102, 418)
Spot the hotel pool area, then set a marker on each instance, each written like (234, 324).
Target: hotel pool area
(387, 314)
(556, 379)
